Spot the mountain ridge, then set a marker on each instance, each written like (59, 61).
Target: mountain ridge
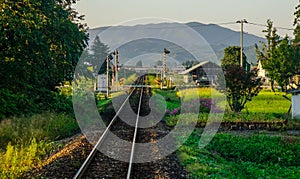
(216, 36)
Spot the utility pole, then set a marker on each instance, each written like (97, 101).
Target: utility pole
(241, 38)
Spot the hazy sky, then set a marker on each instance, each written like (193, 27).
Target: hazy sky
(101, 13)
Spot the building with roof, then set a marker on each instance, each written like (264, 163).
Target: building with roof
(204, 71)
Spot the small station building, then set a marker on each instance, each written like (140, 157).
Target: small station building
(205, 70)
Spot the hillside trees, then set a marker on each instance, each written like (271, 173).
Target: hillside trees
(241, 84)
(40, 42)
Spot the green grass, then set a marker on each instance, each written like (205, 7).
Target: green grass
(230, 156)
(240, 156)
(47, 126)
(24, 141)
(268, 102)
(265, 102)
(17, 159)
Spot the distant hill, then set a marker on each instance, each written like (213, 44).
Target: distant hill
(217, 37)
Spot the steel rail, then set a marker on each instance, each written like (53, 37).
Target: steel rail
(134, 136)
(87, 161)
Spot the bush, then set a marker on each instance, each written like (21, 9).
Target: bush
(47, 126)
(27, 104)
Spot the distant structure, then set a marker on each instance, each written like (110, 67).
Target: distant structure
(205, 70)
(101, 83)
(295, 102)
(261, 71)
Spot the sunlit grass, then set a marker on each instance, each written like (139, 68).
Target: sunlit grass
(265, 102)
(269, 102)
(25, 140)
(17, 159)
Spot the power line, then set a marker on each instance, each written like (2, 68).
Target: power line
(277, 27)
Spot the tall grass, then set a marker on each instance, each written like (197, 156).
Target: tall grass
(25, 140)
(47, 126)
(18, 159)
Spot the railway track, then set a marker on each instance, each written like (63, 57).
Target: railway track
(96, 161)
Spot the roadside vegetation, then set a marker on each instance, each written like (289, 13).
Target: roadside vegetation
(25, 141)
(35, 62)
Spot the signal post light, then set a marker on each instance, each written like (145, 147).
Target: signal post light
(116, 53)
(108, 59)
(165, 63)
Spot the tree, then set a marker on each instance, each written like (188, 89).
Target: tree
(278, 57)
(41, 42)
(296, 41)
(240, 85)
(283, 64)
(297, 25)
(139, 64)
(99, 54)
(233, 57)
(189, 63)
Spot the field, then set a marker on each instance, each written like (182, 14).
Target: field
(270, 154)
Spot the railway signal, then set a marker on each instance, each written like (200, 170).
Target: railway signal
(116, 53)
(108, 59)
(165, 63)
